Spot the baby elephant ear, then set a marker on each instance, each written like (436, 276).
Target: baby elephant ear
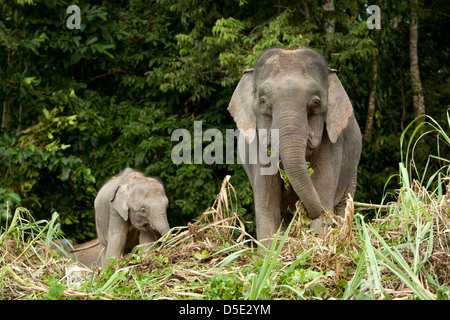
(119, 201)
(339, 107)
(241, 106)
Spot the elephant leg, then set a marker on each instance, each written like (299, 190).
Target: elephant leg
(351, 188)
(267, 196)
(326, 165)
(349, 170)
(117, 238)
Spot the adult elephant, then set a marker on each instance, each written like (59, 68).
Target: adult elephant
(296, 93)
(130, 209)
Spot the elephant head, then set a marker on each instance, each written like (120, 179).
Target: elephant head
(295, 92)
(144, 203)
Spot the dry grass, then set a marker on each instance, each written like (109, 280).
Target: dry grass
(186, 262)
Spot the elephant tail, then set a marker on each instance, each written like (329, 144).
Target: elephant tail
(87, 247)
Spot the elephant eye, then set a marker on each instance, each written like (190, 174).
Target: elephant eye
(314, 105)
(265, 106)
(262, 100)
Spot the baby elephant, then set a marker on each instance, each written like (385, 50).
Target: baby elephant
(130, 209)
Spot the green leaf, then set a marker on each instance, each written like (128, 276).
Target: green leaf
(29, 80)
(55, 291)
(91, 40)
(201, 255)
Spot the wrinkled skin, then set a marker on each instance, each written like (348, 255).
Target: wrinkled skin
(295, 92)
(130, 209)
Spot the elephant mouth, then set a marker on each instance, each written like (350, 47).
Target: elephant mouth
(148, 228)
(308, 154)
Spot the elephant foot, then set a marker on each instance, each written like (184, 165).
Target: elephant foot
(318, 226)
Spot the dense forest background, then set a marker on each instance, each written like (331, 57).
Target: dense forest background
(78, 106)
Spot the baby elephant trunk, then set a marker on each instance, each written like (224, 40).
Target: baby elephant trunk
(160, 225)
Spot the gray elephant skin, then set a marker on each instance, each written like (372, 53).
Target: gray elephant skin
(87, 253)
(296, 92)
(130, 209)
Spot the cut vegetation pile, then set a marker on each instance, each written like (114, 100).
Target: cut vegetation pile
(402, 255)
(403, 252)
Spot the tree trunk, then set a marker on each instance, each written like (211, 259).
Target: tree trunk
(328, 7)
(371, 107)
(418, 99)
(306, 9)
(6, 116)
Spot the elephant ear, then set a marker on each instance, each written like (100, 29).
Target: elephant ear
(241, 106)
(339, 107)
(119, 201)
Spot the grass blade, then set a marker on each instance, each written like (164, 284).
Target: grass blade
(400, 267)
(259, 280)
(114, 279)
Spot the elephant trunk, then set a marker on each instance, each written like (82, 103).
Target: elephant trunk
(161, 224)
(293, 137)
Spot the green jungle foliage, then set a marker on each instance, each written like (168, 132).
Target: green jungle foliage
(78, 106)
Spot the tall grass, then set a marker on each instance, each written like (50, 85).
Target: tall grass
(27, 263)
(403, 243)
(260, 279)
(430, 127)
(414, 228)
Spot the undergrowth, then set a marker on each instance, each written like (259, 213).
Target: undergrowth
(403, 253)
